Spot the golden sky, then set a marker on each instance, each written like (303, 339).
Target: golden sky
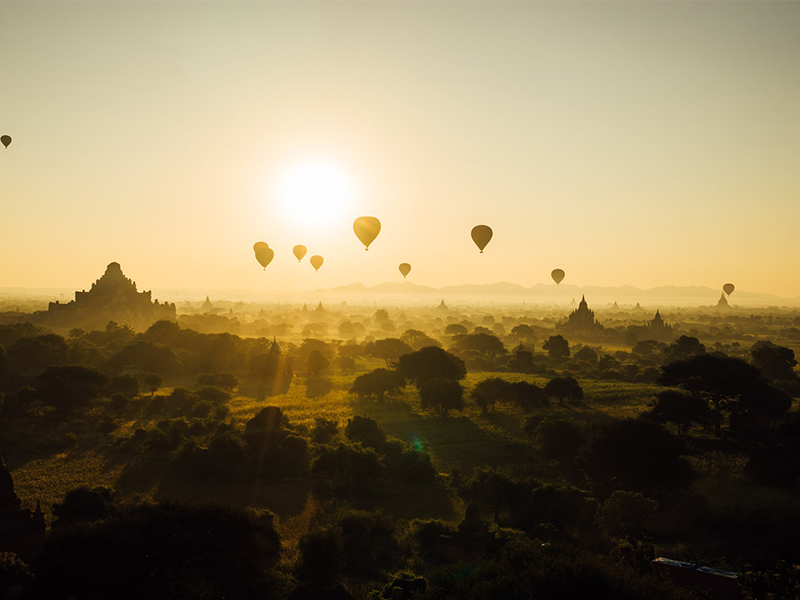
(637, 143)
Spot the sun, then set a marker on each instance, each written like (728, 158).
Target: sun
(314, 191)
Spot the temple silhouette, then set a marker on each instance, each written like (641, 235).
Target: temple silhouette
(21, 529)
(581, 323)
(113, 297)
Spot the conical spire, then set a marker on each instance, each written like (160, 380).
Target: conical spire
(8, 498)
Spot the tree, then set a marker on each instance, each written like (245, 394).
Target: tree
(188, 551)
(389, 349)
(163, 332)
(634, 455)
(316, 362)
(482, 343)
(366, 432)
(587, 354)
(523, 332)
(528, 395)
(442, 394)
(557, 347)
(628, 514)
(418, 340)
(557, 439)
(34, 354)
(685, 347)
(680, 408)
(455, 329)
(430, 362)
(564, 388)
(83, 504)
(649, 350)
(775, 362)
(493, 490)
(227, 381)
(721, 381)
(350, 465)
(377, 384)
(146, 356)
(152, 381)
(124, 384)
(346, 329)
(490, 391)
(71, 386)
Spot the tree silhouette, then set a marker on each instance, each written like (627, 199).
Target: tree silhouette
(775, 362)
(71, 386)
(557, 347)
(564, 388)
(557, 439)
(455, 329)
(152, 381)
(377, 384)
(685, 347)
(430, 362)
(681, 409)
(389, 349)
(316, 362)
(187, 551)
(482, 343)
(523, 332)
(635, 455)
(727, 384)
(442, 394)
(490, 391)
(418, 340)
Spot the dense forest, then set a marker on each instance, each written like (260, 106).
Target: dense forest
(404, 453)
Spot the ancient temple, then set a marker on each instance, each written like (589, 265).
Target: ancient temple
(113, 297)
(658, 328)
(472, 540)
(580, 322)
(723, 301)
(21, 530)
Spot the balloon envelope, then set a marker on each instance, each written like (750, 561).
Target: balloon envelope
(264, 256)
(558, 275)
(6, 139)
(481, 234)
(299, 252)
(316, 261)
(259, 245)
(405, 269)
(728, 288)
(366, 229)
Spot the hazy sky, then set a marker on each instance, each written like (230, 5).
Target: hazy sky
(636, 143)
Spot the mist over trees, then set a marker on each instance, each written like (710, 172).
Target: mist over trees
(364, 429)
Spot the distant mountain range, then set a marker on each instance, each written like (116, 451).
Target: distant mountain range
(541, 293)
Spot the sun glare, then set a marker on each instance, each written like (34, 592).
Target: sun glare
(314, 191)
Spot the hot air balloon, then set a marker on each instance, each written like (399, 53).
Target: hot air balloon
(316, 261)
(481, 234)
(405, 269)
(6, 140)
(264, 255)
(299, 252)
(259, 245)
(366, 229)
(558, 275)
(728, 288)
